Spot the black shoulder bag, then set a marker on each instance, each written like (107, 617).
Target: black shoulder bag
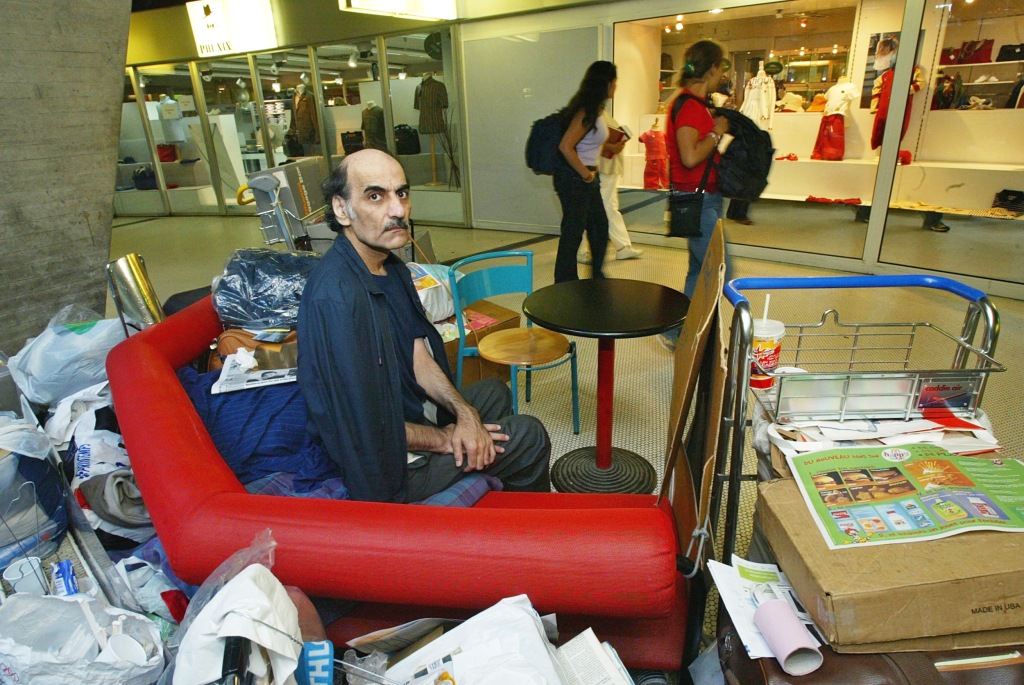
(684, 208)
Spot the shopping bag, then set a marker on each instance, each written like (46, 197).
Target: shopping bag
(70, 355)
(684, 213)
(49, 640)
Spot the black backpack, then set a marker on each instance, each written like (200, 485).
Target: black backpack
(743, 169)
(542, 154)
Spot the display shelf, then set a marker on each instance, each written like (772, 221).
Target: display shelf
(980, 64)
(987, 83)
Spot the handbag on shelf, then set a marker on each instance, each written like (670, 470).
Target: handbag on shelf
(685, 208)
(949, 56)
(976, 51)
(1011, 53)
(1012, 200)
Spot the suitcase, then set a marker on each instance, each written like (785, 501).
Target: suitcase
(407, 140)
(892, 668)
(352, 141)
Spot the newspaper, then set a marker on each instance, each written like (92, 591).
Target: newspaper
(585, 661)
(885, 495)
(737, 585)
(235, 376)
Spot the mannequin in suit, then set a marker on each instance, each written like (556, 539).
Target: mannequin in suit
(373, 126)
(431, 100)
(303, 124)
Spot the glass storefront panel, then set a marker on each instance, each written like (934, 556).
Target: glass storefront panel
(427, 122)
(178, 134)
(953, 207)
(234, 125)
(136, 189)
(787, 60)
(349, 83)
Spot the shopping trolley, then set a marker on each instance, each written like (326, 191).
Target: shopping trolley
(835, 370)
(287, 203)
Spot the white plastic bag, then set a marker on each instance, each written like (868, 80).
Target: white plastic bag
(47, 640)
(431, 281)
(70, 355)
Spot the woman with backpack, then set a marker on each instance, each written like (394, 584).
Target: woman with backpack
(692, 135)
(576, 182)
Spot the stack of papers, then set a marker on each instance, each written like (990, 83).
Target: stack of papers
(952, 433)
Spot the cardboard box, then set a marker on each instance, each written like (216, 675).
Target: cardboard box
(476, 368)
(962, 591)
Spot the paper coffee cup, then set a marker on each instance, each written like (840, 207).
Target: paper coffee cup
(26, 576)
(787, 636)
(123, 648)
(766, 348)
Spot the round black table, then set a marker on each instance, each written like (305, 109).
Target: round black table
(606, 309)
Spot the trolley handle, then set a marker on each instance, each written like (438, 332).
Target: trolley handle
(732, 288)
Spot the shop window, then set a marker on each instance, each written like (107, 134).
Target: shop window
(136, 185)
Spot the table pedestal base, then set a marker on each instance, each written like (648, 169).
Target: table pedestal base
(577, 471)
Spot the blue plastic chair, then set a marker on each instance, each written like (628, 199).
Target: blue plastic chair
(526, 349)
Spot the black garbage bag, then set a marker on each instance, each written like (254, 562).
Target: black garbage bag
(260, 288)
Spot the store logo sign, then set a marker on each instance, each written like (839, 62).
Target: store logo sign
(223, 27)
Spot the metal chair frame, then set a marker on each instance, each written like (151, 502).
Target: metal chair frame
(503, 279)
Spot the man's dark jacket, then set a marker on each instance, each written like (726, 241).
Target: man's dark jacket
(349, 375)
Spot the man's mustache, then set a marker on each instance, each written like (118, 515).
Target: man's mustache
(397, 223)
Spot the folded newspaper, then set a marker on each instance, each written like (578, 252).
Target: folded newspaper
(241, 373)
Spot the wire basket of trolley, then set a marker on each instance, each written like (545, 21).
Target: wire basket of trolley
(835, 370)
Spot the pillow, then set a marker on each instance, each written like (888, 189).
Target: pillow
(261, 432)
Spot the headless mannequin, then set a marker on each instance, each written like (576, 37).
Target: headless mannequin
(831, 141)
(431, 100)
(373, 127)
(170, 120)
(303, 123)
(656, 156)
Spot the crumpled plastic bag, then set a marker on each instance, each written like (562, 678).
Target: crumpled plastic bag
(47, 640)
(70, 355)
(260, 288)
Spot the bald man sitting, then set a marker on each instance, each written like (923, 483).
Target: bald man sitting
(373, 368)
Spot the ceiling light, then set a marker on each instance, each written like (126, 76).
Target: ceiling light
(803, 23)
(402, 75)
(717, 10)
(968, 1)
(352, 60)
(303, 78)
(679, 26)
(679, 17)
(339, 80)
(240, 83)
(275, 86)
(667, 29)
(143, 81)
(771, 55)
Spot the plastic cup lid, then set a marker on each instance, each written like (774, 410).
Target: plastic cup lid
(769, 328)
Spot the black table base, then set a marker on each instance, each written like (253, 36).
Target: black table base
(577, 471)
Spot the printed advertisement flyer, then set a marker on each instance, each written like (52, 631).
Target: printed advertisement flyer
(886, 495)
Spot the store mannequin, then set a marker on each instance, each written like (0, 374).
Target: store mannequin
(373, 126)
(656, 156)
(881, 91)
(759, 99)
(303, 124)
(831, 141)
(431, 100)
(170, 120)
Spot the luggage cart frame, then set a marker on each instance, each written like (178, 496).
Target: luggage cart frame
(857, 371)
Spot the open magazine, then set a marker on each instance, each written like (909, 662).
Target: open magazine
(886, 495)
(235, 376)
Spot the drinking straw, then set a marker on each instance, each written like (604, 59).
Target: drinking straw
(767, 299)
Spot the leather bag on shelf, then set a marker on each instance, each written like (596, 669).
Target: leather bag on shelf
(949, 56)
(1011, 53)
(976, 51)
(891, 668)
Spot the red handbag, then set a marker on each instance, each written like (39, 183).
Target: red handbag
(949, 56)
(976, 51)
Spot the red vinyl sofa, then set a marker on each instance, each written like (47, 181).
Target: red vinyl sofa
(606, 561)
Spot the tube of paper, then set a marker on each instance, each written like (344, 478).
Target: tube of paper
(793, 646)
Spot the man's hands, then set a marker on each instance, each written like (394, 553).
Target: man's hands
(474, 444)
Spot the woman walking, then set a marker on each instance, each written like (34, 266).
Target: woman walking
(692, 138)
(577, 182)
